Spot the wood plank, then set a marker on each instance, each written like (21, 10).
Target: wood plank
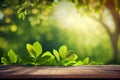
(99, 71)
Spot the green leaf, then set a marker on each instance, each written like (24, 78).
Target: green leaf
(21, 15)
(69, 53)
(63, 51)
(55, 52)
(12, 56)
(27, 60)
(69, 63)
(42, 60)
(4, 61)
(72, 57)
(48, 54)
(30, 50)
(48, 60)
(78, 63)
(86, 61)
(37, 48)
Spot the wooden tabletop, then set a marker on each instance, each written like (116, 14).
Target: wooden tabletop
(99, 71)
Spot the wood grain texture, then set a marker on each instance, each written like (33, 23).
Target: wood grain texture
(103, 71)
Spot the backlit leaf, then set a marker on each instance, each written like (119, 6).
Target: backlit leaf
(48, 54)
(55, 52)
(70, 63)
(30, 50)
(72, 57)
(12, 56)
(78, 63)
(63, 51)
(21, 15)
(37, 48)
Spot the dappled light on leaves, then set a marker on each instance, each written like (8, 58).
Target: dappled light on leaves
(8, 11)
(34, 11)
(13, 28)
(3, 43)
(2, 28)
(34, 21)
(88, 28)
(7, 20)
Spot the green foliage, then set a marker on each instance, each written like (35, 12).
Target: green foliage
(49, 54)
(56, 54)
(86, 60)
(50, 60)
(12, 58)
(21, 15)
(68, 58)
(63, 51)
(25, 31)
(37, 48)
(35, 52)
(78, 63)
(63, 57)
(30, 50)
(4, 61)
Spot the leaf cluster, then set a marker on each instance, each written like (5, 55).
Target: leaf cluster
(61, 57)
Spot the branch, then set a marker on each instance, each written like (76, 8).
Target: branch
(113, 36)
(103, 24)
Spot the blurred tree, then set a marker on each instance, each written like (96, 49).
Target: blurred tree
(115, 10)
(99, 6)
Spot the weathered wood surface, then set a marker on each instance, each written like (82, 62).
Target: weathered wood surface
(104, 71)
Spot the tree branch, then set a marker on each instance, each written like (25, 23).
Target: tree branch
(103, 24)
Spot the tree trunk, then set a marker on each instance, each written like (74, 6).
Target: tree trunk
(114, 36)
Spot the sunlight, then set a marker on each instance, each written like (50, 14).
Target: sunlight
(108, 19)
(7, 20)
(13, 28)
(82, 31)
(68, 17)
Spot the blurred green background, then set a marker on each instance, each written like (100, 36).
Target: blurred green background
(54, 24)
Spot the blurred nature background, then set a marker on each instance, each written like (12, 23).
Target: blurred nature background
(89, 27)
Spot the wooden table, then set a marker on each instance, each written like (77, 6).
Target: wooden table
(100, 71)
